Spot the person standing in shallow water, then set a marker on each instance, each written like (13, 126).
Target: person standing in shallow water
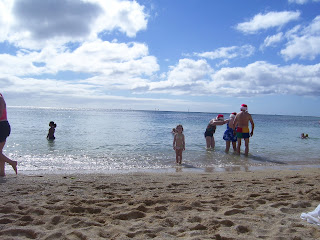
(242, 123)
(179, 144)
(51, 131)
(4, 133)
(211, 129)
(228, 135)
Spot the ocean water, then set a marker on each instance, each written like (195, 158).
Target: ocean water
(99, 140)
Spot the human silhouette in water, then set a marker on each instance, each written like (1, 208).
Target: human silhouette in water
(52, 129)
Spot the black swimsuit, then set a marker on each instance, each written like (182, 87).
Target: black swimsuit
(4, 130)
(210, 131)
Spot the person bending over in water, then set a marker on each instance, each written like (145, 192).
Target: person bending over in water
(4, 133)
(228, 135)
(179, 143)
(211, 129)
(242, 123)
(50, 135)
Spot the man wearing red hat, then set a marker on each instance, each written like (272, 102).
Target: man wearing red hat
(242, 123)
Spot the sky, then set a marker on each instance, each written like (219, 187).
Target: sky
(167, 55)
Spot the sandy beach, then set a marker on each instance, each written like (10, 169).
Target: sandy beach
(220, 205)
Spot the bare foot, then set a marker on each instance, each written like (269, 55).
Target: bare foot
(14, 166)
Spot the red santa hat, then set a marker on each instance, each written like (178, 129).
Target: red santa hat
(244, 107)
(220, 117)
(233, 115)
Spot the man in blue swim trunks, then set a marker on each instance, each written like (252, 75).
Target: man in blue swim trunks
(242, 123)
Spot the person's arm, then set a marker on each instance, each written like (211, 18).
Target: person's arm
(2, 105)
(174, 142)
(184, 143)
(252, 125)
(231, 120)
(219, 123)
(235, 122)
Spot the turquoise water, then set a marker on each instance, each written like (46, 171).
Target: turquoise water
(91, 140)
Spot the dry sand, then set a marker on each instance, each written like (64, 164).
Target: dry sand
(236, 205)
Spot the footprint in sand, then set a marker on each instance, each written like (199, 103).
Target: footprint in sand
(233, 212)
(54, 236)
(56, 220)
(130, 215)
(276, 205)
(19, 233)
(242, 229)
(5, 221)
(83, 210)
(227, 223)
(195, 219)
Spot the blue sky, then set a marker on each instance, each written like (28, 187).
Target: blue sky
(175, 55)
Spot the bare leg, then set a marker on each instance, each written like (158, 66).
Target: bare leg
(177, 156)
(234, 145)
(4, 159)
(227, 146)
(208, 141)
(246, 141)
(2, 168)
(239, 145)
(213, 143)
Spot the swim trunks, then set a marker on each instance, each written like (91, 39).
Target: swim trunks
(228, 135)
(243, 132)
(4, 130)
(210, 131)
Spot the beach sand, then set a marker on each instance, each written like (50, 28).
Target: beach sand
(219, 205)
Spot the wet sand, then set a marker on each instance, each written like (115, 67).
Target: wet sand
(219, 205)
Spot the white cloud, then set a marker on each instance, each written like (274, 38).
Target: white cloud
(188, 77)
(268, 20)
(302, 1)
(272, 40)
(303, 42)
(228, 52)
(259, 78)
(184, 78)
(39, 23)
(298, 1)
(44, 31)
(223, 63)
(104, 65)
(98, 57)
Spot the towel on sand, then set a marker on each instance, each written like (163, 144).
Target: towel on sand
(312, 217)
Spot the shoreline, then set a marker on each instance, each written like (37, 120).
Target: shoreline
(263, 204)
(185, 167)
